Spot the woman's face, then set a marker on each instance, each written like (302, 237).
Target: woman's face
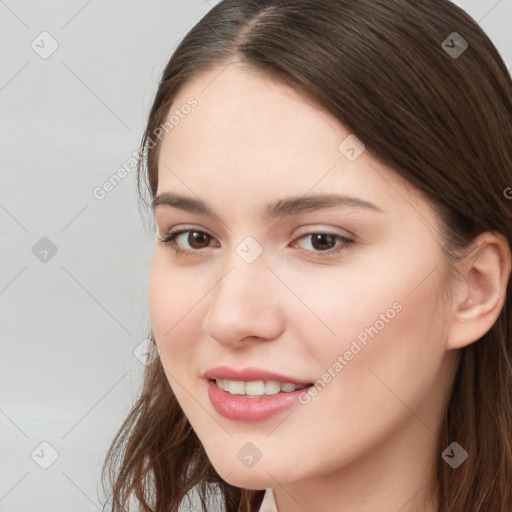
(270, 283)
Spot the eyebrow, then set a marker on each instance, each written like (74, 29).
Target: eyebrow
(283, 207)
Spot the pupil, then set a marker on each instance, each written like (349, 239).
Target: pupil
(196, 238)
(323, 239)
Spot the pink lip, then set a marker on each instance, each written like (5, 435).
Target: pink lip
(242, 408)
(248, 375)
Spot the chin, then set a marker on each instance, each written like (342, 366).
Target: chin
(252, 483)
(255, 478)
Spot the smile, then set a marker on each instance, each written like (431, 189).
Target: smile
(257, 388)
(249, 401)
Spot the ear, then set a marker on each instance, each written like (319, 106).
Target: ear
(479, 296)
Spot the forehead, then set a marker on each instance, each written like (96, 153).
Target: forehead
(242, 110)
(257, 139)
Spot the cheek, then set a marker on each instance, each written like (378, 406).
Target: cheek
(363, 398)
(175, 297)
(172, 292)
(387, 321)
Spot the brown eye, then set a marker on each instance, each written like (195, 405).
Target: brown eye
(324, 244)
(198, 240)
(186, 240)
(323, 241)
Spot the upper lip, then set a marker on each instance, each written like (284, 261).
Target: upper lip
(248, 375)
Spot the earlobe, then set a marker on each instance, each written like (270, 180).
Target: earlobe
(480, 296)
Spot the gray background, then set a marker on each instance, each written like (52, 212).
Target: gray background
(73, 322)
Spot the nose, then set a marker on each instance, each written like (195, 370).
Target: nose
(245, 305)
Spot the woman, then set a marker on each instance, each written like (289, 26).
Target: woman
(330, 286)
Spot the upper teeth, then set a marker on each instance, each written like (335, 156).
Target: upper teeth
(256, 388)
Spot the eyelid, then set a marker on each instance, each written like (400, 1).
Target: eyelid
(311, 229)
(183, 228)
(305, 230)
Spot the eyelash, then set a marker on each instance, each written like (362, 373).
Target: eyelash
(170, 239)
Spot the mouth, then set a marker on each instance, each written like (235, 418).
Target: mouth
(257, 388)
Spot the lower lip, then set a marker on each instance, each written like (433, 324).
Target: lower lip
(242, 408)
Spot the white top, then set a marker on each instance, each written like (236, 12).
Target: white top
(268, 504)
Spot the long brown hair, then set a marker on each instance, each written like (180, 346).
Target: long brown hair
(441, 120)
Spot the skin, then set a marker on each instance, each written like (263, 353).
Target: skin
(368, 440)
